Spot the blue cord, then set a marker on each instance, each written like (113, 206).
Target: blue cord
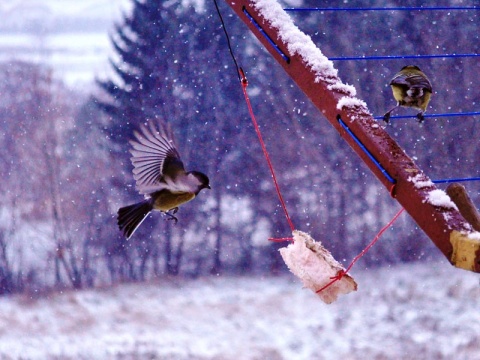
(391, 57)
(456, 180)
(269, 39)
(386, 9)
(473, 113)
(382, 169)
(365, 150)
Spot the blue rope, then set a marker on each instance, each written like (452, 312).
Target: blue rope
(473, 113)
(365, 150)
(391, 57)
(382, 169)
(386, 9)
(456, 180)
(265, 35)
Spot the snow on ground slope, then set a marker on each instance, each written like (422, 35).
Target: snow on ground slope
(429, 311)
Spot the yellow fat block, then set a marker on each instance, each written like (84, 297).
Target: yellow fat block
(465, 249)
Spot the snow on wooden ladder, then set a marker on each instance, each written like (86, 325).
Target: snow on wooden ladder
(431, 208)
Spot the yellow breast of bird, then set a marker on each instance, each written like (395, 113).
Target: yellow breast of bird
(399, 92)
(166, 200)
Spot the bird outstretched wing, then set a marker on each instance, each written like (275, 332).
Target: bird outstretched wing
(155, 158)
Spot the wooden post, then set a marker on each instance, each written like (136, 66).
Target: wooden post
(436, 215)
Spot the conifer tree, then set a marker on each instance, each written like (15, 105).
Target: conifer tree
(142, 67)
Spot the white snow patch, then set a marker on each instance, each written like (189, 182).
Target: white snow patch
(447, 216)
(350, 102)
(440, 198)
(301, 44)
(474, 235)
(421, 181)
(253, 318)
(316, 267)
(343, 88)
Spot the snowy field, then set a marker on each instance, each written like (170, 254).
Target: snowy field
(429, 311)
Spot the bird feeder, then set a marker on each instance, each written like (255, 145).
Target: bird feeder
(431, 208)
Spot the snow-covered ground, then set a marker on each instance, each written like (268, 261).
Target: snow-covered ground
(419, 311)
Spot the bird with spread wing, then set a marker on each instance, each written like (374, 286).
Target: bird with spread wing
(160, 176)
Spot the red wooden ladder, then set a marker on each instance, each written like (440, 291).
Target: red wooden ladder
(408, 184)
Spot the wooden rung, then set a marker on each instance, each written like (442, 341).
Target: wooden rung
(459, 196)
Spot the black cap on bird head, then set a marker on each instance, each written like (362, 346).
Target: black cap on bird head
(203, 179)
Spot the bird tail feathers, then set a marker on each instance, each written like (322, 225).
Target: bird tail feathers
(130, 217)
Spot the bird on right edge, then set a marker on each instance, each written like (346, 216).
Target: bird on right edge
(411, 88)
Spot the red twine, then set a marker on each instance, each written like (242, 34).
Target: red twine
(260, 138)
(341, 273)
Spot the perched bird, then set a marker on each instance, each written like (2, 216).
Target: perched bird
(160, 176)
(411, 88)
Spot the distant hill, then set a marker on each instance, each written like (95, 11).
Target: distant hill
(69, 36)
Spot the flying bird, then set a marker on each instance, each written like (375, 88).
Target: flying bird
(411, 88)
(160, 176)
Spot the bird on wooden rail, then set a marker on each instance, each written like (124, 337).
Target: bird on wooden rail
(160, 176)
(411, 88)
